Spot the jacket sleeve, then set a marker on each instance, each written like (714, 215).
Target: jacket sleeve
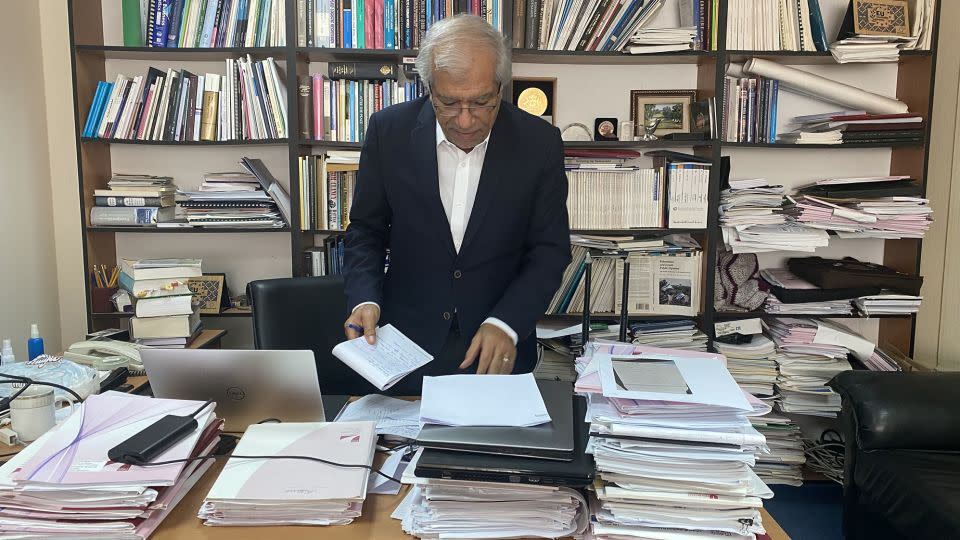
(547, 248)
(367, 236)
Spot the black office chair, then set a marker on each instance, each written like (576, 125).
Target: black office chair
(306, 313)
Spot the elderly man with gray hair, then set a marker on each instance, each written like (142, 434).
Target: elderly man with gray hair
(468, 194)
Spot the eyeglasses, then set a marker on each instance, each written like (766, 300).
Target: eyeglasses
(476, 108)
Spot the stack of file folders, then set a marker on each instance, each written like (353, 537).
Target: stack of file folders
(885, 217)
(294, 491)
(784, 463)
(888, 304)
(669, 334)
(676, 459)
(753, 364)
(789, 236)
(63, 485)
(811, 353)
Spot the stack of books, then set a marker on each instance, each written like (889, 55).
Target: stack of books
(382, 24)
(750, 109)
(63, 486)
(259, 492)
(326, 189)
(681, 334)
(134, 199)
(205, 23)
(784, 463)
(856, 127)
(659, 463)
(164, 307)
(338, 107)
(776, 25)
(247, 103)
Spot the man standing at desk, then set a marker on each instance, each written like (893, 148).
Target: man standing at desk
(469, 195)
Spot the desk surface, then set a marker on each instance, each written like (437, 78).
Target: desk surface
(207, 339)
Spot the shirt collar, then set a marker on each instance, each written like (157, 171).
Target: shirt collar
(441, 138)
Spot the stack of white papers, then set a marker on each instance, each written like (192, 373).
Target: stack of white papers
(483, 400)
(392, 357)
(888, 304)
(672, 443)
(655, 40)
(811, 353)
(884, 217)
(458, 509)
(671, 334)
(827, 307)
(393, 417)
(63, 484)
(784, 463)
(812, 137)
(788, 236)
(866, 49)
(753, 365)
(294, 491)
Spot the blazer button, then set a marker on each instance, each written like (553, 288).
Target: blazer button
(457, 274)
(446, 315)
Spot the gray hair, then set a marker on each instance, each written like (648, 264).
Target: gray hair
(450, 44)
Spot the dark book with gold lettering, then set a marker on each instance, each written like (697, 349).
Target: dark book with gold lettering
(362, 70)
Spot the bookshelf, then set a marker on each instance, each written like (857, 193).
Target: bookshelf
(247, 254)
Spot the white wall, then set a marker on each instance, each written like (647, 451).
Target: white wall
(28, 263)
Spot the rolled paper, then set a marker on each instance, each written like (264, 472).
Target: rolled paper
(824, 88)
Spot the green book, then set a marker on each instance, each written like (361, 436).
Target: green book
(361, 38)
(132, 32)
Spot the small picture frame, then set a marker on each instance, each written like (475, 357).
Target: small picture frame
(208, 292)
(672, 107)
(536, 95)
(605, 129)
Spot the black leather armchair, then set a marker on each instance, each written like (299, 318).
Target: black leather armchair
(306, 313)
(902, 458)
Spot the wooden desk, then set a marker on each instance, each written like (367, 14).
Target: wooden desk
(208, 339)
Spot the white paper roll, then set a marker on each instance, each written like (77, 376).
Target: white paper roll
(823, 88)
(735, 70)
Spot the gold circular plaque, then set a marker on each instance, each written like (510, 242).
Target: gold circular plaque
(533, 100)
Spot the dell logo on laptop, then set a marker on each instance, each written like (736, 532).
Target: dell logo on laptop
(235, 393)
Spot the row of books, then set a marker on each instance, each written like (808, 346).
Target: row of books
(204, 23)
(381, 24)
(248, 102)
(338, 107)
(776, 25)
(750, 109)
(326, 260)
(326, 189)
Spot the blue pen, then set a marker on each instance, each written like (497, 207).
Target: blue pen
(352, 326)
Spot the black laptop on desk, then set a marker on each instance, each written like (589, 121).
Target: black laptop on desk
(452, 465)
(553, 440)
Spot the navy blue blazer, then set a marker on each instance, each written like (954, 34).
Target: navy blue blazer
(515, 247)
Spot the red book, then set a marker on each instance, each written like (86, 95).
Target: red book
(318, 105)
(368, 17)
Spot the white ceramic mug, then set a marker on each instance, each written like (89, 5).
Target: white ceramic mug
(33, 413)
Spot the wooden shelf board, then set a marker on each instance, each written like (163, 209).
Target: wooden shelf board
(846, 146)
(254, 142)
(333, 145)
(119, 52)
(805, 57)
(232, 312)
(730, 315)
(202, 230)
(327, 54)
(612, 317)
(611, 57)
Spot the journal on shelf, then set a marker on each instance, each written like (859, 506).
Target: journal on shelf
(204, 23)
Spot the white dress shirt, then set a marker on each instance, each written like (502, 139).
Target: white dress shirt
(459, 174)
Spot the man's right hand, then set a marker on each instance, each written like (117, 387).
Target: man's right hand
(363, 322)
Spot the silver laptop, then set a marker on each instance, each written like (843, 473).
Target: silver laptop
(248, 385)
(553, 440)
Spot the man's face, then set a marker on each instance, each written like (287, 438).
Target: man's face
(467, 106)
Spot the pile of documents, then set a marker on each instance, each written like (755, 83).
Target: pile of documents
(742, 207)
(886, 217)
(784, 463)
(886, 358)
(658, 40)
(63, 484)
(230, 199)
(827, 307)
(888, 304)
(857, 126)
(752, 364)
(669, 334)
(394, 418)
(811, 353)
(673, 444)
(788, 236)
(294, 491)
(866, 49)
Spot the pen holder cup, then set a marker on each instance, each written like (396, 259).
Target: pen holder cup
(100, 299)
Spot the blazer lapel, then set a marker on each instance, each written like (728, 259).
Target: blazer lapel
(494, 164)
(423, 140)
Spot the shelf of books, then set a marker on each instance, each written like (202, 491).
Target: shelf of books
(770, 147)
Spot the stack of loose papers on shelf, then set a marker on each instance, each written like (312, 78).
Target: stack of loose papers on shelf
(230, 199)
(294, 491)
(885, 217)
(784, 463)
(784, 237)
(753, 365)
(747, 205)
(656, 40)
(827, 308)
(866, 49)
(669, 334)
(811, 353)
(888, 304)
(672, 443)
(834, 136)
(63, 485)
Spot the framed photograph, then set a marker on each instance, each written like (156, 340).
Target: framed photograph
(208, 292)
(536, 95)
(672, 107)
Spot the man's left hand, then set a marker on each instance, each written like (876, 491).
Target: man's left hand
(494, 349)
